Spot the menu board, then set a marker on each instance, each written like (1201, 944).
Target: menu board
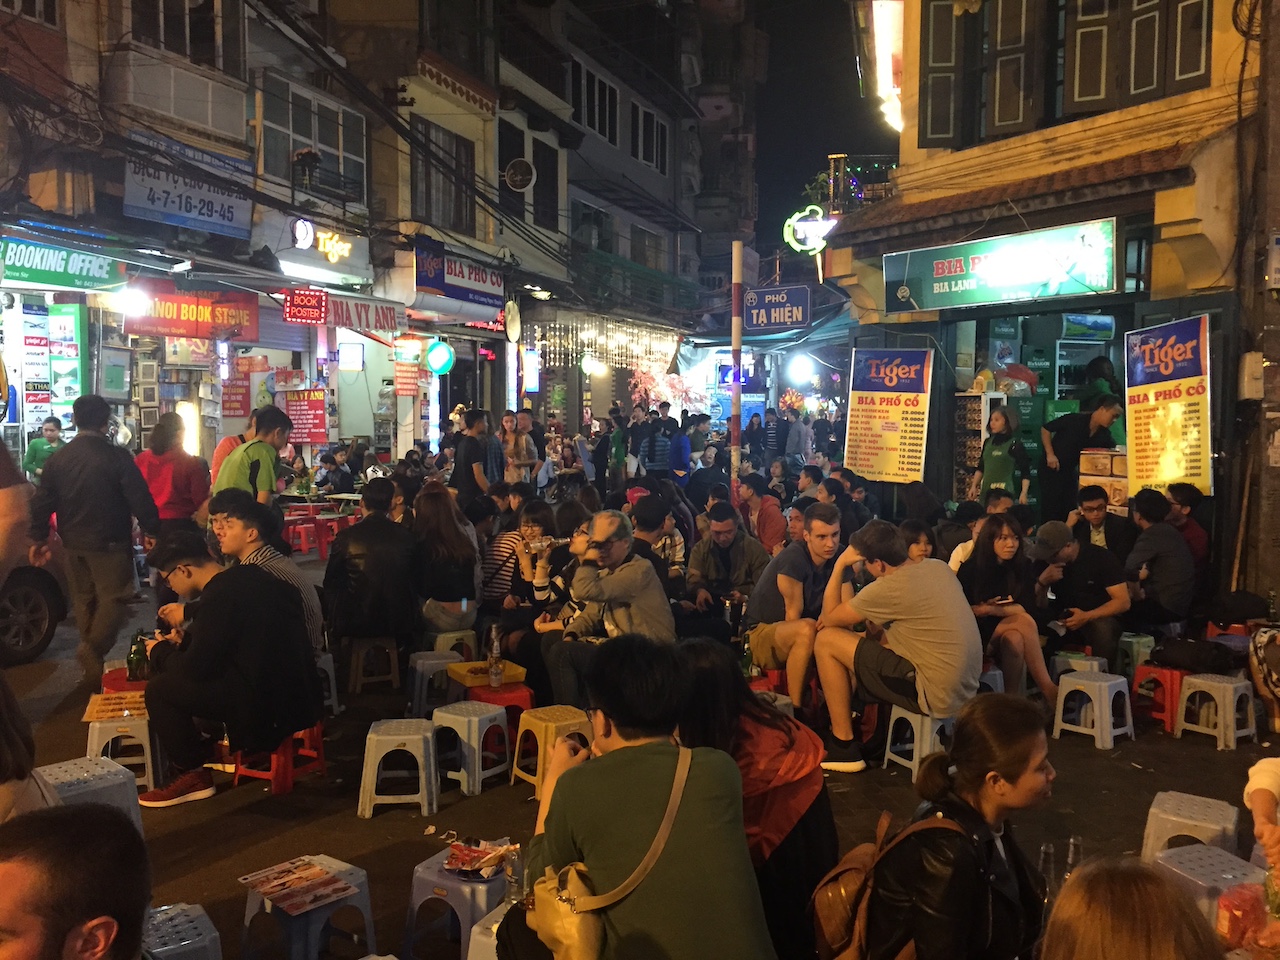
(1167, 405)
(889, 414)
(308, 411)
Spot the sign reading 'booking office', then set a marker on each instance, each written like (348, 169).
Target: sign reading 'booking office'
(36, 263)
(1072, 261)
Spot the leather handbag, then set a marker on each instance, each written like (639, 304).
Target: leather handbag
(565, 912)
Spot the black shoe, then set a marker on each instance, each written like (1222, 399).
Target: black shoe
(843, 757)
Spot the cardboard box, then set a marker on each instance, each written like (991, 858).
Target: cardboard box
(1120, 465)
(1056, 408)
(1117, 489)
(1096, 464)
(1030, 412)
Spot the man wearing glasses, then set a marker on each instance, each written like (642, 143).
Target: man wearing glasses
(621, 594)
(245, 660)
(1093, 523)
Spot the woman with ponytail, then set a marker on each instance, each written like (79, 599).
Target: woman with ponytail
(969, 892)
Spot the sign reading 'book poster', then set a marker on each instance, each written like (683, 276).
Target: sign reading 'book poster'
(889, 414)
(1167, 405)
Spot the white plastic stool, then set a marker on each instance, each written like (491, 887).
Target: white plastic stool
(1101, 690)
(1174, 814)
(470, 900)
(329, 677)
(1259, 857)
(422, 667)
(307, 934)
(991, 681)
(1061, 663)
(103, 735)
(925, 739)
(360, 650)
(461, 642)
(484, 935)
(415, 737)
(182, 931)
(1224, 722)
(1204, 872)
(95, 780)
(779, 701)
(471, 720)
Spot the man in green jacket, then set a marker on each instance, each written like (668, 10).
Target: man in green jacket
(42, 448)
(727, 563)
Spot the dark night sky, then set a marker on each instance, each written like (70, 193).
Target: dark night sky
(809, 107)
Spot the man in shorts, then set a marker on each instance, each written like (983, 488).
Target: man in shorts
(781, 621)
(929, 655)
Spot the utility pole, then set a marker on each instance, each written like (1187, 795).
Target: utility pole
(735, 415)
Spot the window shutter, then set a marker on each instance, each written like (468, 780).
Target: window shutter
(1015, 98)
(1144, 28)
(941, 40)
(1190, 46)
(1090, 83)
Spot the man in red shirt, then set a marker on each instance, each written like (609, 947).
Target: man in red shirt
(1183, 498)
(227, 444)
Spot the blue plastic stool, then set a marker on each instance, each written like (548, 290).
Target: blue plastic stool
(470, 900)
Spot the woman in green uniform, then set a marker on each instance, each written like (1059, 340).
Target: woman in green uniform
(1002, 456)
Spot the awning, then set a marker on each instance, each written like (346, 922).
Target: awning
(427, 306)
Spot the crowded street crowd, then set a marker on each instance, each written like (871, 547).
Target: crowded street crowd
(629, 578)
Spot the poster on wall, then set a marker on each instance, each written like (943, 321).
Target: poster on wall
(1167, 405)
(66, 363)
(37, 401)
(244, 392)
(309, 412)
(889, 414)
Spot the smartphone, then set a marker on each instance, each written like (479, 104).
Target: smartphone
(1002, 601)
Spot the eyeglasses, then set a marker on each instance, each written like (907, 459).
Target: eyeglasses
(582, 531)
(164, 577)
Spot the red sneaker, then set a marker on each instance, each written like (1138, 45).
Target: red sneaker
(193, 785)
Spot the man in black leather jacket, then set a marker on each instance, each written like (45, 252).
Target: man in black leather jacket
(368, 584)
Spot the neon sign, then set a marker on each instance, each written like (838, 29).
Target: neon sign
(326, 242)
(806, 230)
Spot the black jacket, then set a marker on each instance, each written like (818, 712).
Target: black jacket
(1121, 534)
(96, 489)
(368, 584)
(700, 484)
(248, 637)
(954, 895)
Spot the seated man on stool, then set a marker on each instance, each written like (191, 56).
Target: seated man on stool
(781, 621)
(1161, 571)
(244, 660)
(931, 655)
(1082, 587)
(725, 564)
(1092, 522)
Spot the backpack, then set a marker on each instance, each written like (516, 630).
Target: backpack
(842, 898)
(1198, 656)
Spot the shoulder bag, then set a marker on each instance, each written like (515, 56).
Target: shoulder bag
(564, 914)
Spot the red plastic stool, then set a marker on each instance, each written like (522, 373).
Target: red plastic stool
(1165, 696)
(778, 683)
(117, 681)
(1231, 630)
(762, 683)
(301, 534)
(516, 697)
(305, 745)
(326, 530)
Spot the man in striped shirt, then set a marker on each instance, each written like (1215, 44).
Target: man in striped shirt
(499, 562)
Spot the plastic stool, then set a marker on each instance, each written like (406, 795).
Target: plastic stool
(301, 534)
(779, 701)
(1165, 680)
(453, 640)
(307, 934)
(470, 900)
(284, 766)
(422, 667)
(1204, 872)
(471, 720)
(991, 680)
(1134, 649)
(484, 935)
(515, 697)
(1101, 690)
(1062, 663)
(182, 931)
(360, 647)
(1174, 814)
(924, 738)
(547, 725)
(104, 733)
(329, 676)
(1224, 722)
(416, 737)
(95, 780)
(326, 530)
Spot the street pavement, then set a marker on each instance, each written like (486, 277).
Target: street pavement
(199, 849)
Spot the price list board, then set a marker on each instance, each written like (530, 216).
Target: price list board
(308, 411)
(1167, 405)
(889, 414)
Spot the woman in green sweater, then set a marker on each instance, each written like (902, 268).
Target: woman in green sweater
(42, 448)
(603, 806)
(1003, 455)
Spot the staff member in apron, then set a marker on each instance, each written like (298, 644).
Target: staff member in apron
(1003, 456)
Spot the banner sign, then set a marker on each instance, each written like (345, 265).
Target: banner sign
(183, 199)
(37, 400)
(365, 316)
(889, 414)
(188, 352)
(246, 390)
(443, 274)
(1167, 405)
(195, 314)
(776, 308)
(67, 378)
(308, 409)
(306, 306)
(37, 263)
(407, 379)
(1072, 261)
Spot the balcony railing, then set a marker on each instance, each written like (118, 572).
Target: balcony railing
(612, 280)
(327, 184)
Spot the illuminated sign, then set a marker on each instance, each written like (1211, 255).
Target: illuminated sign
(532, 371)
(1072, 261)
(440, 357)
(408, 350)
(776, 308)
(806, 230)
(306, 306)
(326, 242)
